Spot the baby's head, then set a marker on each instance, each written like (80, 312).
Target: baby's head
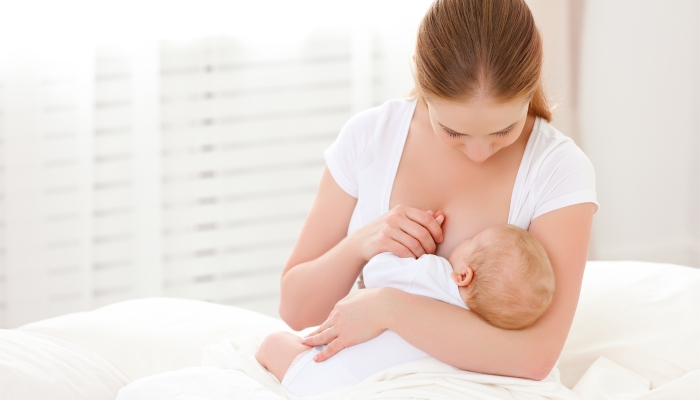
(504, 276)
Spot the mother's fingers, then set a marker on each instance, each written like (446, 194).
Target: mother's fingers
(406, 243)
(321, 338)
(427, 221)
(329, 351)
(421, 234)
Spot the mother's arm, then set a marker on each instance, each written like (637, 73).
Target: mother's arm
(458, 337)
(325, 262)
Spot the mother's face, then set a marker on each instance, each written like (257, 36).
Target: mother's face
(479, 127)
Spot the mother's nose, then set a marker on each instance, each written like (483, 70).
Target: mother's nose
(478, 152)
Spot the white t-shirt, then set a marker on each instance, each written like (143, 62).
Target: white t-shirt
(428, 276)
(554, 173)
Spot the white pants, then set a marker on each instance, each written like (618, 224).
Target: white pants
(348, 367)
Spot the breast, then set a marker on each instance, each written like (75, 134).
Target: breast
(473, 196)
(468, 209)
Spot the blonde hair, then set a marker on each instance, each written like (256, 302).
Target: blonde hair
(470, 47)
(513, 281)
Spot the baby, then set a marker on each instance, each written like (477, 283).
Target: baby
(503, 275)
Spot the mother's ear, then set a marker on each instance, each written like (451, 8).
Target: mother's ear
(463, 278)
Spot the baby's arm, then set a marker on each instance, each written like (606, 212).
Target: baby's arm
(277, 352)
(389, 270)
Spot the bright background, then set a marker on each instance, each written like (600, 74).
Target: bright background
(173, 148)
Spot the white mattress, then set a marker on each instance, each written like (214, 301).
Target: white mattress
(636, 335)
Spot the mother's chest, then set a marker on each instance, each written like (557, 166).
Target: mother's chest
(472, 197)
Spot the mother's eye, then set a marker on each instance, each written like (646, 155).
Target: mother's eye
(456, 135)
(452, 134)
(504, 133)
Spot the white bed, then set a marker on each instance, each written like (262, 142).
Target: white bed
(636, 335)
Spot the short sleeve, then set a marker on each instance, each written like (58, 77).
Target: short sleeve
(566, 178)
(343, 156)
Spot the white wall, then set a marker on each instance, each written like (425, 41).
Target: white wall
(639, 123)
(552, 18)
(623, 75)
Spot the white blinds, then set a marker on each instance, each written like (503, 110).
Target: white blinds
(47, 164)
(175, 169)
(113, 208)
(243, 134)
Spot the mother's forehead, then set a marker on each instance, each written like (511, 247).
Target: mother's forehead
(477, 118)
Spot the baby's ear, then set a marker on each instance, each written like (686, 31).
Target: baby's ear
(463, 278)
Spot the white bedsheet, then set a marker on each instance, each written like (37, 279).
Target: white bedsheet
(148, 336)
(643, 316)
(607, 380)
(643, 319)
(35, 366)
(230, 373)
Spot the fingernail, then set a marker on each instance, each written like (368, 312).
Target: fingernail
(305, 339)
(316, 358)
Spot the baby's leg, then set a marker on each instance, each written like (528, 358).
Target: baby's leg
(277, 352)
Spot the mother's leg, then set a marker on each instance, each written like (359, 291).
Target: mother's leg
(277, 352)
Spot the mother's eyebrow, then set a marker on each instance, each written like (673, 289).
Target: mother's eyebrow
(464, 134)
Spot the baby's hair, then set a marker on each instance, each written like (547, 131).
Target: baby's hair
(513, 280)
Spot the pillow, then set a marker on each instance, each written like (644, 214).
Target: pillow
(35, 366)
(643, 316)
(148, 336)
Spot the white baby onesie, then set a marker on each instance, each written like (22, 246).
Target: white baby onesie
(428, 276)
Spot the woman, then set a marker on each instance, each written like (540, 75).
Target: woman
(475, 143)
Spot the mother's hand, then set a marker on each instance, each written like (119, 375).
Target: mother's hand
(357, 318)
(404, 231)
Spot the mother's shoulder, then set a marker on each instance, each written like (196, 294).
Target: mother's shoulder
(390, 110)
(380, 125)
(547, 142)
